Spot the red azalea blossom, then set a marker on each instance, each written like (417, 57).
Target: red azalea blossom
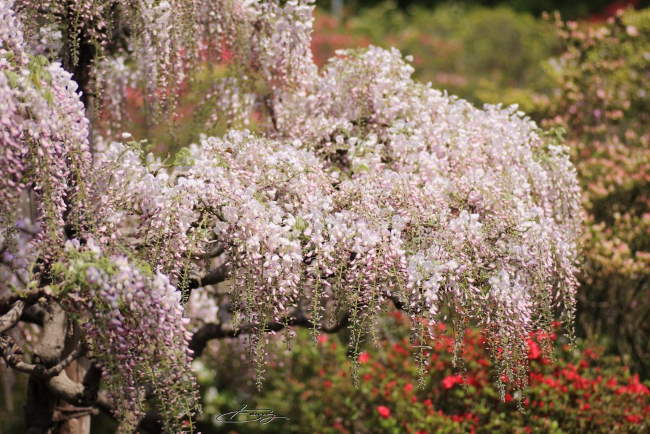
(635, 387)
(364, 357)
(400, 349)
(322, 339)
(634, 418)
(533, 350)
(408, 387)
(451, 380)
(383, 411)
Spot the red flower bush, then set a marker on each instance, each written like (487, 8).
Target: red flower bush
(573, 390)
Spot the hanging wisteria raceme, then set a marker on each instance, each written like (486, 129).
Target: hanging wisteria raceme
(231, 104)
(270, 41)
(273, 41)
(112, 79)
(134, 326)
(163, 33)
(133, 321)
(44, 134)
(265, 43)
(474, 228)
(141, 207)
(360, 188)
(12, 40)
(489, 203)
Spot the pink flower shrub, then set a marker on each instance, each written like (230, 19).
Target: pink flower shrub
(600, 104)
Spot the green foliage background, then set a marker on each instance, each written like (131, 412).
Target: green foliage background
(573, 9)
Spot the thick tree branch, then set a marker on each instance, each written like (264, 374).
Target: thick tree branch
(217, 251)
(210, 331)
(78, 394)
(215, 276)
(9, 319)
(219, 331)
(10, 353)
(63, 387)
(50, 346)
(29, 298)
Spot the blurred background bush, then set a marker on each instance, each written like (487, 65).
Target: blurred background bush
(572, 10)
(602, 103)
(485, 55)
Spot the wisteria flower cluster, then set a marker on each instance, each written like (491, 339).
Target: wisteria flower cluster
(449, 206)
(44, 133)
(132, 318)
(477, 229)
(134, 325)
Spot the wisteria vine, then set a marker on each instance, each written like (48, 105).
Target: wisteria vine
(363, 187)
